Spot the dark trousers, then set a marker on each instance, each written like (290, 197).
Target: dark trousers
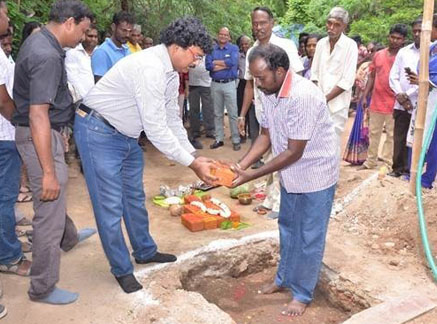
(196, 95)
(52, 228)
(252, 125)
(400, 152)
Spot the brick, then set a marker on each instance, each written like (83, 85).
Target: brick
(210, 222)
(224, 174)
(190, 198)
(191, 209)
(193, 222)
(235, 217)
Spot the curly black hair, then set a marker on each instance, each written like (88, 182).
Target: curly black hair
(186, 32)
(273, 55)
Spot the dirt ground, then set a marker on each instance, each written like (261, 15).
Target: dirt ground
(373, 240)
(239, 298)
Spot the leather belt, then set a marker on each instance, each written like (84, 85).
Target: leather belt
(57, 128)
(95, 114)
(223, 80)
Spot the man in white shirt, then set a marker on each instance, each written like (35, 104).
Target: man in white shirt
(78, 64)
(137, 94)
(262, 26)
(334, 68)
(407, 59)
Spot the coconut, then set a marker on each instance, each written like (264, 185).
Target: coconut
(176, 210)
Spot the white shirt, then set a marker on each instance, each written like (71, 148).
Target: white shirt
(79, 72)
(7, 131)
(406, 57)
(295, 65)
(335, 69)
(140, 93)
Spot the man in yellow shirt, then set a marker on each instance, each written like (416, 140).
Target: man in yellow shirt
(134, 38)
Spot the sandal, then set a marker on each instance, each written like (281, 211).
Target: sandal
(20, 267)
(261, 210)
(26, 247)
(24, 197)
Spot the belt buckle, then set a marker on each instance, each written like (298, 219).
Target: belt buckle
(81, 113)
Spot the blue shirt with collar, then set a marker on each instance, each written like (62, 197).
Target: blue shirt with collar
(106, 55)
(230, 54)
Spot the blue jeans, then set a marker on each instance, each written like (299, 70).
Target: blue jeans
(10, 168)
(113, 167)
(303, 222)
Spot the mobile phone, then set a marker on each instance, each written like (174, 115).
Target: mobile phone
(408, 70)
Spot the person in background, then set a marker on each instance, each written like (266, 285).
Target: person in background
(200, 91)
(334, 67)
(147, 42)
(12, 259)
(310, 48)
(78, 64)
(406, 94)
(363, 53)
(302, 40)
(382, 99)
(222, 64)
(243, 43)
(114, 48)
(183, 92)
(30, 28)
(135, 39)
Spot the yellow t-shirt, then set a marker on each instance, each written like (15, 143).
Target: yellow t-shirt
(134, 48)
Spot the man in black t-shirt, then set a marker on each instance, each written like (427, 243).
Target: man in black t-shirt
(43, 108)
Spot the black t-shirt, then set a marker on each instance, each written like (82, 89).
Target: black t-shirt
(40, 78)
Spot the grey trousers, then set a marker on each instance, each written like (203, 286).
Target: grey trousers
(52, 228)
(225, 95)
(196, 94)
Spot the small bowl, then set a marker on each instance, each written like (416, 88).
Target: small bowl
(245, 198)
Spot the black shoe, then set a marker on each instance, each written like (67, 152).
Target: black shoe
(236, 146)
(129, 283)
(196, 144)
(158, 258)
(210, 136)
(242, 139)
(3, 311)
(395, 174)
(216, 145)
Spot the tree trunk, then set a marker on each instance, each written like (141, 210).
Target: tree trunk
(425, 38)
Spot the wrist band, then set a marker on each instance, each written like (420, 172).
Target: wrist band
(241, 117)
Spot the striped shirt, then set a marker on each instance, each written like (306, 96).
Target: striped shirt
(299, 112)
(140, 93)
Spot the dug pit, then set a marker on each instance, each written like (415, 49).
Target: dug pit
(219, 284)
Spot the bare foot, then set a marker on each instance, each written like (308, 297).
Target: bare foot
(269, 288)
(294, 308)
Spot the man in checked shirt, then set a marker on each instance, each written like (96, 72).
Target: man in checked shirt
(297, 126)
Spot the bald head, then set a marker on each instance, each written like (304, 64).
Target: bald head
(223, 36)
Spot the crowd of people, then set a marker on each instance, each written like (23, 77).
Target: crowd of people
(292, 102)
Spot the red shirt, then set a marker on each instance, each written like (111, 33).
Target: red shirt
(383, 97)
(183, 78)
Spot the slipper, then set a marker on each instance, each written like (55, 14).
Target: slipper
(25, 189)
(20, 267)
(24, 197)
(24, 222)
(261, 210)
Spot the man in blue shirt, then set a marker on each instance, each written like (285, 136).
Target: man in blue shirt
(114, 48)
(223, 65)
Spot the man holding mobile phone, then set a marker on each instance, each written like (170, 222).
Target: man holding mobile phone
(406, 97)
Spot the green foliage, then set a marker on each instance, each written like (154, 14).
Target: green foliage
(369, 18)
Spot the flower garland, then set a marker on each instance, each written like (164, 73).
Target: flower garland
(224, 210)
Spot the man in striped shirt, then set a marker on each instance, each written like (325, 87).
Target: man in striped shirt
(297, 126)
